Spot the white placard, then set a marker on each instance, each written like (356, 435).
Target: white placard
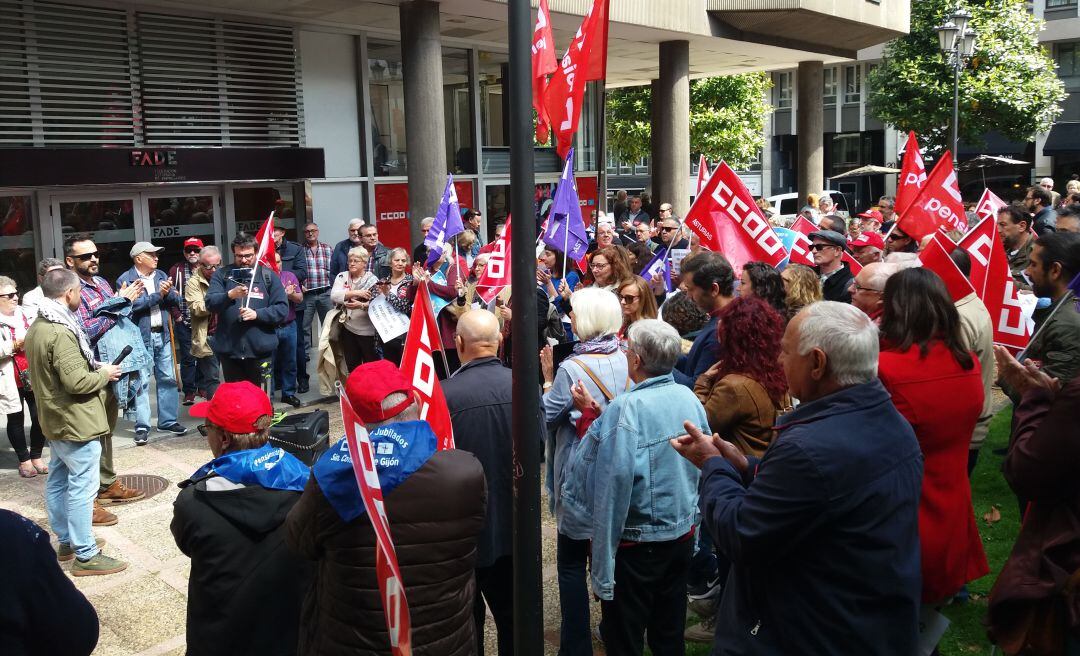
(677, 256)
(390, 323)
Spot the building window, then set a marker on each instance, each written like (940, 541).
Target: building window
(846, 151)
(1057, 4)
(853, 84)
(1068, 59)
(829, 94)
(783, 90)
(387, 108)
(457, 108)
(641, 167)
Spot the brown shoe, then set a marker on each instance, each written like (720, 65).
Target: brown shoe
(119, 493)
(103, 517)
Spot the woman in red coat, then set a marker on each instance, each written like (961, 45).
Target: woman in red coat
(936, 384)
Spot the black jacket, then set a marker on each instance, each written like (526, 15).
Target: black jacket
(835, 288)
(246, 339)
(478, 395)
(823, 535)
(293, 259)
(246, 588)
(339, 260)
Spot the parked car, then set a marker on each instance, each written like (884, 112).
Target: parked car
(787, 206)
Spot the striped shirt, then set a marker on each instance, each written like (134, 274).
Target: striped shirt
(93, 294)
(318, 265)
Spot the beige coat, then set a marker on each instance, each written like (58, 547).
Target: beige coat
(10, 401)
(195, 296)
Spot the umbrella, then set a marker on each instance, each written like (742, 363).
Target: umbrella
(983, 161)
(865, 170)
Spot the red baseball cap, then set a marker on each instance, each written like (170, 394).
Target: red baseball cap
(193, 241)
(372, 382)
(235, 407)
(872, 214)
(869, 239)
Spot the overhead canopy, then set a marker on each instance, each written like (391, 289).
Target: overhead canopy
(872, 169)
(984, 161)
(1064, 139)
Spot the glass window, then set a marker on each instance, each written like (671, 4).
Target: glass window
(457, 106)
(17, 256)
(585, 144)
(387, 108)
(641, 167)
(829, 93)
(1054, 4)
(1068, 59)
(493, 106)
(176, 218)
(846, 150)
(783, 90)
(254, 204)
(853, 84)
(612, 165)
(110, 224)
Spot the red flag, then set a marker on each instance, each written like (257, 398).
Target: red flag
(543, 64)
(912, 176)
(728, 221)
(993, 282)
(266, 253)
(418, 365)
(702, 175)
(988, 206)
(935, 257)
(938, 205)
(805, 227)
(496, 274)
(852, 264)
(566, 89)
(391, 587)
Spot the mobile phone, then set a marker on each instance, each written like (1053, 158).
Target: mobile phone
(498, 302)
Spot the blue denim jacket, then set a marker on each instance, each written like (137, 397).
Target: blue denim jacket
(626, 479)
(137, 365)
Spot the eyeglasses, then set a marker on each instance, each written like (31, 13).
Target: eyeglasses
(821, 247)
(193, 249)
(210, 267)
(9, 296)
(203, 430)
(312, 230)
(628, 299)
(599, 265)
(859, 288)
(86, 257)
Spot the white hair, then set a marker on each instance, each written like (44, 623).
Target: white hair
(903, 260)
(427, 221)
(847, 337)
(360, 252)
(410, 413)
(355, 222)
(877, 274)
(1049, 181)
(656, 343)
(208, 251)
(596, 312)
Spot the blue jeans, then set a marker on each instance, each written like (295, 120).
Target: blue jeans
(168, 403)
(285, 360)
(189, 373)
(70, 492)
(572, 558)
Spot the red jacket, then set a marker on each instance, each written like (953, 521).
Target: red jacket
(942, 402)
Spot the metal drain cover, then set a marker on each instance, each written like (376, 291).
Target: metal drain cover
(147, 483)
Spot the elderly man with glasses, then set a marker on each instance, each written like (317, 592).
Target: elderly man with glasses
(203, 322)
(339, 260)
(828, 249)
(180, 273)
(150, 310)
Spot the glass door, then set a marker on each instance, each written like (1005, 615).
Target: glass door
(108, 219)
(18, 258)
(174, 218)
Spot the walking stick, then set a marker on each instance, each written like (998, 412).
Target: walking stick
(175, 360)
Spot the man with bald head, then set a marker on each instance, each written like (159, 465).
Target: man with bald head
(478, 395)
(868, 289)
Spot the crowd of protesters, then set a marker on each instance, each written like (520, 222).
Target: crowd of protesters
(784, 453)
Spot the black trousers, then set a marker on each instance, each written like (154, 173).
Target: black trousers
(650, 597)
(358, 349)
(17, 432)
(495, 585)
(572, 556)
(257, 371)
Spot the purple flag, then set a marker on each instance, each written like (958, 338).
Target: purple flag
(565, 229)
(447, 223)
(661, 264)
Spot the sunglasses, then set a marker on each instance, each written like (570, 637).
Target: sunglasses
(821, 247)
(9, 296)
(203, 430)
(895, 237)
(667, 229)
(628, 299)
(210, 267)
(193, 250)
(86, 257)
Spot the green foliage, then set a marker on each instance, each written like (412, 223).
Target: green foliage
(1009, 86)
(727, 118)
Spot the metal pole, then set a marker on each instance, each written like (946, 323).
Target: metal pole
(528, 594)
(956, 106)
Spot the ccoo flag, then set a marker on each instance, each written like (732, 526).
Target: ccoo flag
(447, 223)
(565, 229)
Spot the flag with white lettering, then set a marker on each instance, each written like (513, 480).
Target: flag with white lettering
(728, 221)
(496, 274)
(912, 176)
(447, 223)
(565, 229)
(939, 204)
(988, 206)
(418, 365)
(543, 64)
(391, 587)
(800, 249)
(266, 254)
(935, 257)
(566, 89)
(993, 282)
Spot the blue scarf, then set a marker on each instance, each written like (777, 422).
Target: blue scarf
(602, 344)
(400, 449)
(267, 466)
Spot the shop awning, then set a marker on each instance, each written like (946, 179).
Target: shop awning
(1064, 138)
(995, 144)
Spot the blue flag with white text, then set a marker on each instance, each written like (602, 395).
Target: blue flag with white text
(447, 223)
(565, 227)
(661, 264)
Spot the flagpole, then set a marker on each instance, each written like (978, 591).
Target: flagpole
(566, 245)
(251, 284)
(442, 350)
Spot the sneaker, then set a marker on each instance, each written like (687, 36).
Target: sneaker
(292, 400)
(707, 590)
(119, 493)
(174, 428)
(99, 565)
(189, 398)
(64, 552)
(302, 387)
(103, 517)
(704, 607)
(141, 437)
(703, 632)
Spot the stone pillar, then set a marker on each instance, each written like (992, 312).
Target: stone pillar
(810, 128)
(655, 161)
(425, 132)
(672, 126)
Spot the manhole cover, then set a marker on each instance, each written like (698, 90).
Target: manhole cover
(147, 483)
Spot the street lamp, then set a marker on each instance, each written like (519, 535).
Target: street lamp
(957, 43)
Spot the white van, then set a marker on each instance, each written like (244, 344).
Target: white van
(787, 206)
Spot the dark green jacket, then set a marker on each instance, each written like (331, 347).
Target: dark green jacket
(72, 398)
(1056, 343)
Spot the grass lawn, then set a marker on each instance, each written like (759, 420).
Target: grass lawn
(966, 634)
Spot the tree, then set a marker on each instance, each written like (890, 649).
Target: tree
(1008, 86)
(727, 119)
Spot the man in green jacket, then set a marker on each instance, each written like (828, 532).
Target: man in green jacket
(72, 391)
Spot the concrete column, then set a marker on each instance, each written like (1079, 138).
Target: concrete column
(425, 131)
(655, 161)
(811, 164)
(671, 127)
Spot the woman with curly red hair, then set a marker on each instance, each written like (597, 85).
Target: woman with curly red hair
(746, 389)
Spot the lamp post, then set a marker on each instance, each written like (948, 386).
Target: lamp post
(957, 43)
